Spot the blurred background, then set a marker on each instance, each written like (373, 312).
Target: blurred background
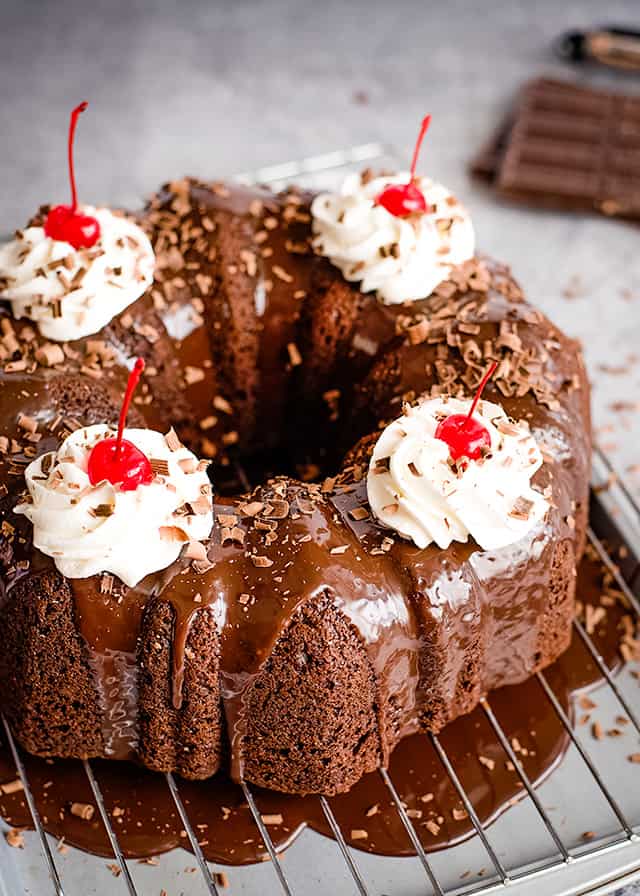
(215, 88)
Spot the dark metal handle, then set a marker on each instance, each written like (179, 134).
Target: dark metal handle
(611, 45)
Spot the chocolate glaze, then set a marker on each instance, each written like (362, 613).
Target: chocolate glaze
(150, 825)
(398, 600)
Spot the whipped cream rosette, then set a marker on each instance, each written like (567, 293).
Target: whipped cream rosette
(416, 488)
(90, 528)
(73, 292)
(400, 258)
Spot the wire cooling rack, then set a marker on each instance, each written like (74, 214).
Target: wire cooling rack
(537, 846)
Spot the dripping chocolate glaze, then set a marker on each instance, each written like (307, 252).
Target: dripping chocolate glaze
(439, 628)
(147, 824)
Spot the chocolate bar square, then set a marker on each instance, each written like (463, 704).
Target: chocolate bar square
(568, 147)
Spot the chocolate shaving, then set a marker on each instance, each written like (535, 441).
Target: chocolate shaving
(85, 811)
(305, 505)
(172, 441)
(233, 533)
(221, 404)
(251, 509)
(278, 510)
(195, 550)
(49, 355)
(359, 834)
(418, 333)
(106, 583)
(26, 423)
(261, 562)
(14, 838)
(200, 505)
(193, 375)
(102, 510)
(159, 466)
(295, 358)
(10, 787)
(521, 509)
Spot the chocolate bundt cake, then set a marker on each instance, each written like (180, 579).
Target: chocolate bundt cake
(294, 633)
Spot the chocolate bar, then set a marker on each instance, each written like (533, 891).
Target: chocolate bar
(568, 147)
(486, 163)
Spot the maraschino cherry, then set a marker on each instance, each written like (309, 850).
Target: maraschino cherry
(466, 436)
(65, 222)
(117, 460)
(402, 200)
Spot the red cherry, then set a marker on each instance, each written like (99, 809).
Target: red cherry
(62, 223)
(123, 465)
(406, 199)
(65, 222)
(402, 200)
(466, 436)
(118, 460)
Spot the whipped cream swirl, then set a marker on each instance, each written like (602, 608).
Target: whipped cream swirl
(89, 529)
(415, 488)
(402, 259)
(71, 293)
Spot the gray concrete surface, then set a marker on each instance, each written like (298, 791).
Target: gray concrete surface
(215, 88)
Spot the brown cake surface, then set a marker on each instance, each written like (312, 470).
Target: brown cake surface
(312, 639)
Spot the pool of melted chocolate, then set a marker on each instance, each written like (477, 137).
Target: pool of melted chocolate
(146, 821)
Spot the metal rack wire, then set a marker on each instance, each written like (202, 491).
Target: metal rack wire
(561, 855)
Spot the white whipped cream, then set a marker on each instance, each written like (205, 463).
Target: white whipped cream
(414, 488)
(143, 530)
(87, 288)
(402, 259)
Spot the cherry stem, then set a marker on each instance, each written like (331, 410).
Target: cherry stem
(483, 382)
(132, 382)
(426, 121)
(72, 130)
